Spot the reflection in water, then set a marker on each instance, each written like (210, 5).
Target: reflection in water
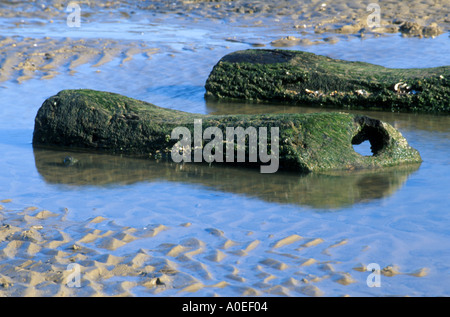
(400, 120)
(332, 190)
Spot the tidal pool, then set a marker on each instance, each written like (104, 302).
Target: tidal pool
(253, 234)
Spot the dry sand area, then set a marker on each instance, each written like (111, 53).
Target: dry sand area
(42, 253)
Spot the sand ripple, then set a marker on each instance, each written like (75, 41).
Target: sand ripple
(25, 57)
(44, 254)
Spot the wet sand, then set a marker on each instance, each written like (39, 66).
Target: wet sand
(343, 16)
(313, 22)
(44, 254)
(37, 246)
(44, 58)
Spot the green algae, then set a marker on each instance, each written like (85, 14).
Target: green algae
(304, 78)
(315, 142)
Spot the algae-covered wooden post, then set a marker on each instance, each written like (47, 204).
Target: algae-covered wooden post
(314, 142)
(304, 78)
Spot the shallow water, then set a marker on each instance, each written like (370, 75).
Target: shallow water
(395, 217)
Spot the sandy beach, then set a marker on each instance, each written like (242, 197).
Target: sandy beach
(315, 22)
(44, 254)
(27, 58)
(116, 227)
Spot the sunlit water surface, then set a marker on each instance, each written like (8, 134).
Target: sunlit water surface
(400, 216)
